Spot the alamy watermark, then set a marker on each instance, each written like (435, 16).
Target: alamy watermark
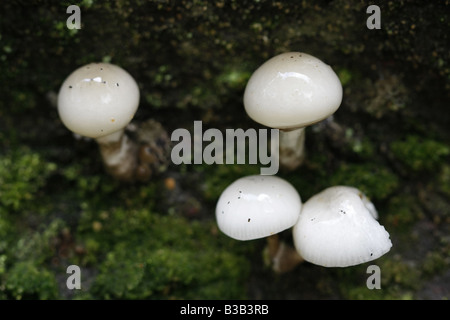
(74, 280)
(374, 280)
(374, 20)
(74, 20)
(235, 146)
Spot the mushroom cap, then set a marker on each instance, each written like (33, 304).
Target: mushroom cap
(256, 206)
(366, 201)
(292, 90)
(98, 99)
(337, 228)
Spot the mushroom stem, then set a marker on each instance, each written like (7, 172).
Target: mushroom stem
(283, 257)
(273, 244)
(292, 145)
(128, 159)
(119, 155)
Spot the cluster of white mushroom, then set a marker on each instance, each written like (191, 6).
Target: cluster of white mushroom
(337, 227)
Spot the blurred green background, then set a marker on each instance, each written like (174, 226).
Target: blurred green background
(192, 59)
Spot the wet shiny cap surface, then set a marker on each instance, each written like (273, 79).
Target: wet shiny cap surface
(98, 99)
(256, 206)
(338, 228)
(292, 90)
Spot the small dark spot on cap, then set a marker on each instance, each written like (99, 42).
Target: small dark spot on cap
(371, 254)
(117, 84)
(70, 87)
(248, 220)
(101, 68)
(228, 202)
(104, 82)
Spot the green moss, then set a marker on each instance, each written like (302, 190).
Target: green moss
(2, 265)
(377, 182)
(5, 230)
(22, 174)
(437, 261)
(402, 211)
(199, 96)
(158, 273)
(398, 275)
(444, 179)
(360, 146)
(24, 260)
(233, 78)
(363, 293)
(189, 261)
(398, 280)
(420, 154)
(114, 224)
(84, 183)
(142, 254)
(27, 280)
(345, 76)
(37, 245)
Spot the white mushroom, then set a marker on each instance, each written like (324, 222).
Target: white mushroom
(338, 228)
(289, 92)
(256, 206)
(98, 101)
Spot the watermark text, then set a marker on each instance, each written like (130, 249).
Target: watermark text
(235, 146)
(374, 20)
(374, 280)
(74, 20)
(74, 280)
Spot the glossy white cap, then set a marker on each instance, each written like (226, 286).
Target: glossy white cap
(256, 206)
(98, 99)
(292, 90)
(337, 228)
